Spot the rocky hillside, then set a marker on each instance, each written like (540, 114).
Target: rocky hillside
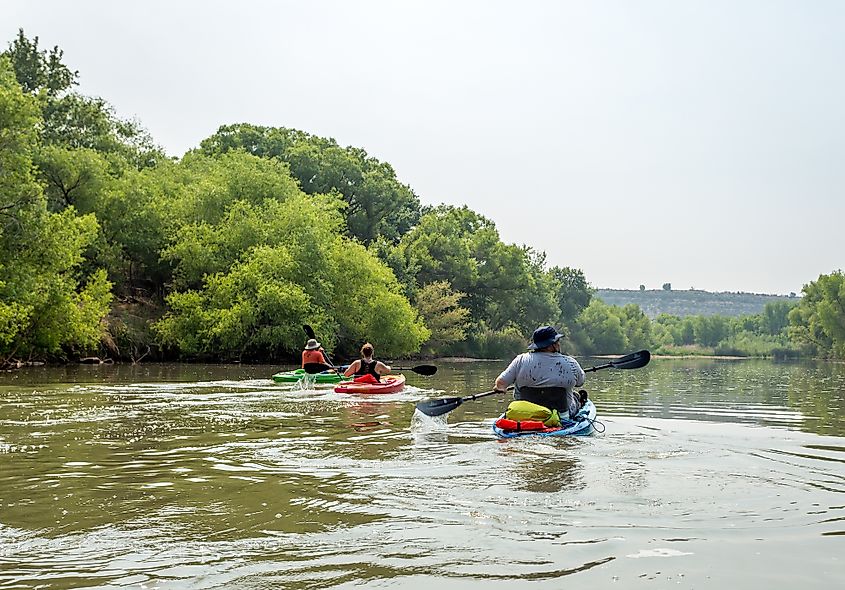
(692, 302)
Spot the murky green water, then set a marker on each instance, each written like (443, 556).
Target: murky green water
(726, 474)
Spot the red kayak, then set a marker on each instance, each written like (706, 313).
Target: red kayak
(388, 384)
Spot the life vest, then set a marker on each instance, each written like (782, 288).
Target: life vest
(366, 379)
(313, 356)
(519, 425)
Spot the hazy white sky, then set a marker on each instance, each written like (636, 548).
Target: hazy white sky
(700, 143)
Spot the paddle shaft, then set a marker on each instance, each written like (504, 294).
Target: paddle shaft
(421, 369)
(444, 405)
(485, 394)
(313, 368)
(635, 360)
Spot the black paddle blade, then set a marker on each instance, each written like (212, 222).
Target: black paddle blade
(314, 368)
(309, 331)
(635, 360)
(438, 407)
(421, 369)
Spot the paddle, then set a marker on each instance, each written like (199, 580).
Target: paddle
(420, 369)
(635, 360)
(309, 331)
(313, 368)
(437, 407)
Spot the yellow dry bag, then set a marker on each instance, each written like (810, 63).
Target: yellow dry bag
(521, 410)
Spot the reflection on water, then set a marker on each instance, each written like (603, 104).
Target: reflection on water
(214, 477)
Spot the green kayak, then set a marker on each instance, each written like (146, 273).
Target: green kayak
(296, 375)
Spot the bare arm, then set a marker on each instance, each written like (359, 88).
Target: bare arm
(508, 376)
(381, 368)
(350, 370)
(501, 384)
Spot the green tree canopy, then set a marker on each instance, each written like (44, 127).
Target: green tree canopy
(39, 70)
(377, 203)
(573, 293)
(601, 329)
(252, 278)
(775, 317)
(47, 304)
(819, 319)
(443, 315)
(70, 119)
(710, 330)
(637, 326)
(504, 284)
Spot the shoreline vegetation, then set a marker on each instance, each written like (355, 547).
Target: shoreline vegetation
(112, 249)
(95, 361)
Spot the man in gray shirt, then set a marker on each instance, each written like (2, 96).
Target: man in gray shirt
(544, 375)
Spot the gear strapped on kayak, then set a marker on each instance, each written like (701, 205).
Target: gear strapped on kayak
(583, 424)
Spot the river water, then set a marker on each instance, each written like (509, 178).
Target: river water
(709, 473)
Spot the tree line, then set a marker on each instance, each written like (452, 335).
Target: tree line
(110, 247)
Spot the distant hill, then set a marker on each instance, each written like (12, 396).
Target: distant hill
(693, 302)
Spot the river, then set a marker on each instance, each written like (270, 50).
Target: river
(708, 474)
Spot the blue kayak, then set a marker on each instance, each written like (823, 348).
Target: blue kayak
(582, 425)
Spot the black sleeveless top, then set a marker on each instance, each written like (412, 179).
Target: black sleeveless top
(367, 369)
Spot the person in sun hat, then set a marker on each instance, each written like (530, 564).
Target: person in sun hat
(544, 375)
(314, 353)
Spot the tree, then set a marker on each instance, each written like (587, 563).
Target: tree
(642, 287)
(681, 330)
(603, 328)
(38, 71)
(377, 203)
(70, 119)
(368, 304)
(440, 309)
(72, 177)
(442, 247)
(250, 278)
(685, 335)
(505, 284)
(77, 121)
(775, 317)
(573, 293)
(637, 327)
(48, 305)
(254, 309)
(710, 330)
(667, 286)
(819, 318)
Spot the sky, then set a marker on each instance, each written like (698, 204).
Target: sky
(697, 143)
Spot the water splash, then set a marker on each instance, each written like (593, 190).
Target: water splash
(421, 423)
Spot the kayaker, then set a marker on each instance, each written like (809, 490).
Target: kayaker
(544, 375)
(367, 365)
(314, 353)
